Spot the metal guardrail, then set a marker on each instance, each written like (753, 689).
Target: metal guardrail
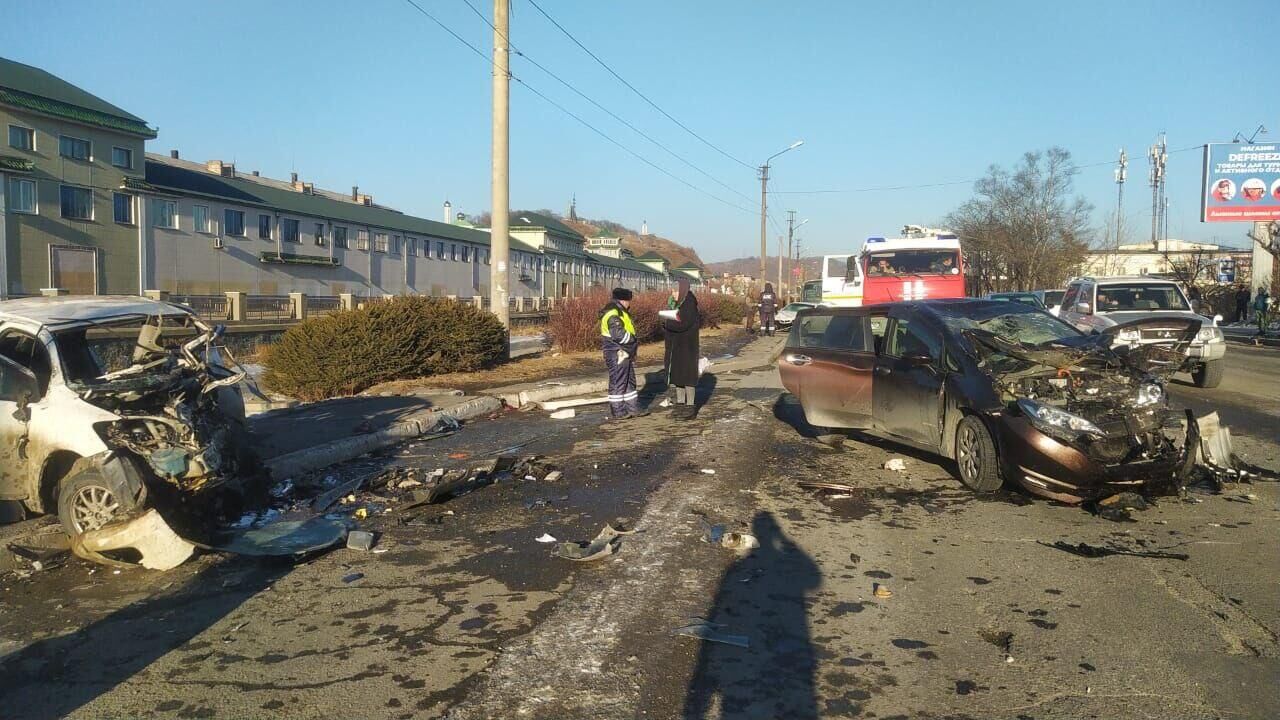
(208, 307)
(268, 307)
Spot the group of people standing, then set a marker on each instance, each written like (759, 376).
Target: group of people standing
(620, 344)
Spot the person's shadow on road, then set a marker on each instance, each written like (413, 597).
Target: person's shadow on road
(762, 596)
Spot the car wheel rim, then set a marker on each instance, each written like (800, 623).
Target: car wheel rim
(93, 507)
(967, 455)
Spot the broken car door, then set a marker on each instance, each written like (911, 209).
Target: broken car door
(18, 388)
(837, 379)
(908, 380)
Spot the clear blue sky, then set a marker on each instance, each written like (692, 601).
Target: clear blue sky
(373, 93)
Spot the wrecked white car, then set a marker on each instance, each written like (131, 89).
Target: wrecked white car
(113, 405)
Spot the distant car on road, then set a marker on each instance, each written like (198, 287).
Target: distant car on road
(1026, 298)
(1052, 299)
(1096, 304)
(787, 315)
(1003, 388)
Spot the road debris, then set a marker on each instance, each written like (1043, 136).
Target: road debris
(578, 402)
(703, 630)
(1118, 507)
(360, 540)
(824, 485)
(739, 541)
(708, 471)
(895, 464)
(285, 538)
(834, 440)
(1094, 551)
(545, 538)
(158, 545)
(352, 577)
(605, 543)
(565, 414)
(1002, 639)
(881, 591)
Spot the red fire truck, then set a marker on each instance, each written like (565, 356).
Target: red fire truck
(923, 264)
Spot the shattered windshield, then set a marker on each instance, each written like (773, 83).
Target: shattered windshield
(1013, 322)
(1119, 298)
(88, 353)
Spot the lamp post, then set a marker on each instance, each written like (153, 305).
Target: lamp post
(764, 206)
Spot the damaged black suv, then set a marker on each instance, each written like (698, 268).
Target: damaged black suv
(1005, 389)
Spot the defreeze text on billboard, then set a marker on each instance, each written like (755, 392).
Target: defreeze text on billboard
(1241, 183)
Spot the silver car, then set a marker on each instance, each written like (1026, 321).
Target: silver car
(108, 404)
(1096, 304)
(787, 315)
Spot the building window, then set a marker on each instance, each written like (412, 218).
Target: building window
(380, 242)
(320, 238)
(487, 255)
(21, 138)
(466, 253)
(411, 246)
(289, 230)
(122, 157)
(340, 237)
(122, 204)
(395, 244)
(166, 214)
(233, 222)
(439, 250)
(77, 203)
(74, 148)
(264, 227)
(453, 251)
(362, 239)
(200, 219)
(22, 196)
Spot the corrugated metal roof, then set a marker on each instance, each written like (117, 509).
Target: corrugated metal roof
(175, 177)
(36, 89)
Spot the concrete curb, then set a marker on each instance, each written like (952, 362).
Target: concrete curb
(339, 451)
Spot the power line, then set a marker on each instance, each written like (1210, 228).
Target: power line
(584, 123)
(1074, 171)
(633, 88)
(604, 109)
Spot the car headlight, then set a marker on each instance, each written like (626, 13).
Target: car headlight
(1129, 336)
(1149, 394)
(1057, 421)
(1209, 334)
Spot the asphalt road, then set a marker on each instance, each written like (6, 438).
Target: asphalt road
(465, 616)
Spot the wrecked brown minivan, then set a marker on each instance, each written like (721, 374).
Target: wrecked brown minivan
(1005, 389)
(113, 405)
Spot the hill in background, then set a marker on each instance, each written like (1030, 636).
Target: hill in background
(632, 240)
(751, 266)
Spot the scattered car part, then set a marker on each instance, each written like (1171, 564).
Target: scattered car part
(285, 538)
(1095, 551)
(565, 414)
(158, 546)
(360, 540)
(604, 544)
(710, 632)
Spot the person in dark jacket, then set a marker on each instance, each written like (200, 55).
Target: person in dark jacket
(1242, 302)
(683, 335)
(619, 342)
(768, 306)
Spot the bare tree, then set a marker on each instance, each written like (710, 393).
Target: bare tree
(1023, 229)
(1105, 256)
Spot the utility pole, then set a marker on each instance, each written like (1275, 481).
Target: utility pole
(796, 259)
(764, 216)
(1157, 156)
(780, 254)
(1122, 173)
(499, 236)
(791, 235)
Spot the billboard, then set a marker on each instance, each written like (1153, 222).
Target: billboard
(1241, 183)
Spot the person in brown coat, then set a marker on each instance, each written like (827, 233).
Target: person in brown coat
(682, 333)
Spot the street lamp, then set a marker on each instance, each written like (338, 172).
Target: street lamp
(764, 205)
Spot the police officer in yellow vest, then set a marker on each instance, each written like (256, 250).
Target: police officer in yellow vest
(618, 339)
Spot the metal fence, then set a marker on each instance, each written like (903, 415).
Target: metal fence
(208, 307)
(268, 307)
(323, 304)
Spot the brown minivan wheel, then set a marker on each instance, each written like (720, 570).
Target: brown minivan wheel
(976, 456)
